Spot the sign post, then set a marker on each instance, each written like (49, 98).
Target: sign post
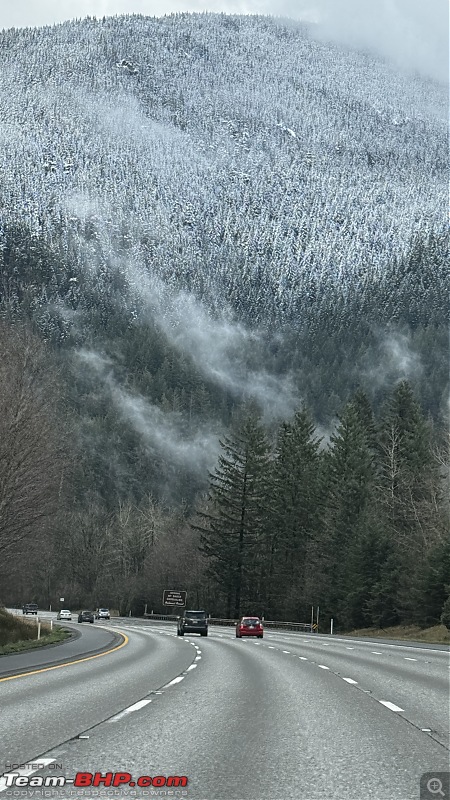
(173, 598)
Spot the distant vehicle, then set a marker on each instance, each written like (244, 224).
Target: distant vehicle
(86, 616)
(249, 626)
(193, 622)
(64, 614)
(103, 613)
(30, 608)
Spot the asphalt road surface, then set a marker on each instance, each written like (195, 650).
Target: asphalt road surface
(289, 717)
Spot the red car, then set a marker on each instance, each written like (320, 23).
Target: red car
(249, 626)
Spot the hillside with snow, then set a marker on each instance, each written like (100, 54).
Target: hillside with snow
(200, 209)
(232, 157)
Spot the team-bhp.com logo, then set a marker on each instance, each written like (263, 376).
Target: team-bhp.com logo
(95, 779)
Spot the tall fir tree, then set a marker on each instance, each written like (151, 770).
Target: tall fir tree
(351, 473)
(233, 527)
(295, 518)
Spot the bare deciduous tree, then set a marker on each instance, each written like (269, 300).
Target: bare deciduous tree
(32, 459)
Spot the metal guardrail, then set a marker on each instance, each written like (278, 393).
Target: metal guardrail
(304, 627)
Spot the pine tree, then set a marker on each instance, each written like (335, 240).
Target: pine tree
(295, 517)
(232, 530)
(351, 472)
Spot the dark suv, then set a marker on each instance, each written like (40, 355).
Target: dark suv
(30, 608)
(86, 616)
(193, 622)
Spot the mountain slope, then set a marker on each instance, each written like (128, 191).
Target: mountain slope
(202, 209)
(233, 157)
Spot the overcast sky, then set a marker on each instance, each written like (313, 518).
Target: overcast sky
(413, 33)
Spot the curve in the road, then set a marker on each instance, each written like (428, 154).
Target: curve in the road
(66, 663)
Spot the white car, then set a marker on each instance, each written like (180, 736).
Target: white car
(103, 613)
(64, 614)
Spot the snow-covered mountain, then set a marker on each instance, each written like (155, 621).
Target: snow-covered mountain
(233, 158)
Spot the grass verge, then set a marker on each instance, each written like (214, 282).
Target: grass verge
(438, 634)
(18, 635)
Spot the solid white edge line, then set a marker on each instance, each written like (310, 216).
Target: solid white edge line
(390, 705)
(349, 680)
(35, 765)
(129, 710)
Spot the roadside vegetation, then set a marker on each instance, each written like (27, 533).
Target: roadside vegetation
(437, 634)
(18, 635)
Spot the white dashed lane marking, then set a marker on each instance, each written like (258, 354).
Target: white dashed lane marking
(175, 680)
(322, 666)
(129, 710)
(349, 680)
(389, 705)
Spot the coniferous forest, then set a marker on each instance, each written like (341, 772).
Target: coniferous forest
(224, 271)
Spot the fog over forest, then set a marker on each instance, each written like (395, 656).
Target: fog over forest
(214, 224)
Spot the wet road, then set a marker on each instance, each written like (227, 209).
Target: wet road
(290, 716)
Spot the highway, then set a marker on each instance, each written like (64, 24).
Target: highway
(292, 716)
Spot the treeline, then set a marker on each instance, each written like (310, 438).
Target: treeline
(358, 526)
(356, 523)
(93, 512)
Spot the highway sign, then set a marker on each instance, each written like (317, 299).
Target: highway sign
(171, 598)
